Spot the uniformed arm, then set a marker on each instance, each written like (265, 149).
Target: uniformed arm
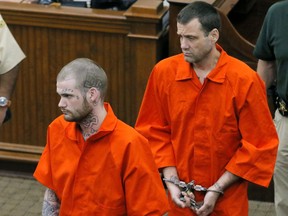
(51, 204)
(11, 56)
(267, 71)
(7, 85)
(216, 190)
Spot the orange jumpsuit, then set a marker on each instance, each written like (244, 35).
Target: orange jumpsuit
(204, 130)
(111, 173)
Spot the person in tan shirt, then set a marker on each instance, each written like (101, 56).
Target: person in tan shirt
(10, 57)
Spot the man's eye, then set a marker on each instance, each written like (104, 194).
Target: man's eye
(191, 38)
(66, 96)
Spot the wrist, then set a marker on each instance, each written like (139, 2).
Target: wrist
(4, 102)
(216, 188)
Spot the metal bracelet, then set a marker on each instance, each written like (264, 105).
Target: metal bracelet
(216, 191)
(187, 188)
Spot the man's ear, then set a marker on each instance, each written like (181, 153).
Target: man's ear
(93, 94)
(214, 34)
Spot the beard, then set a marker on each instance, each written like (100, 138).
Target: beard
(80, 114)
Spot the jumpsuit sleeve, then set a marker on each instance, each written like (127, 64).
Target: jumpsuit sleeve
(255, 159)
(153, 122)
(144, 191)
(43, 172)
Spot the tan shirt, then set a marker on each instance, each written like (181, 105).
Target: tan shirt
(10, 52)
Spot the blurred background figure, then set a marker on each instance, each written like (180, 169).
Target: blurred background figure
(10, 57)
(272, 51)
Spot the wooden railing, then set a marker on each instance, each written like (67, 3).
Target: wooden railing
(20, 153)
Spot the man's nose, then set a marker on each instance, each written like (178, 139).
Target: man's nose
(183, 43)
(61, 103)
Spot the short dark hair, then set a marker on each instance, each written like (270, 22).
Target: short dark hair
(207, 15)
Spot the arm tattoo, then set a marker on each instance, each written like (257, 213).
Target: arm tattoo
(51, 204)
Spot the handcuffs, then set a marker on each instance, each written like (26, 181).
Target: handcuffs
(187, 188)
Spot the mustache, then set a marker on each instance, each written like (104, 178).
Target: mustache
(64, 110)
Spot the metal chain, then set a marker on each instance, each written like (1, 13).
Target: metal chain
(187, 188)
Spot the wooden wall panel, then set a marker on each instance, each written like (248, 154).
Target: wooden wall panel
(49, 45)
(47, 51)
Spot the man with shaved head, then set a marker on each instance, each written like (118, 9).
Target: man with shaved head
(93, 163)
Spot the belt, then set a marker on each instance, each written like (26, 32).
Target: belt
(282, 106)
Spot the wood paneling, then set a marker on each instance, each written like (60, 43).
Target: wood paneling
(125, 43)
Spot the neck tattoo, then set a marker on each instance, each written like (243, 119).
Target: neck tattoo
(90, 126)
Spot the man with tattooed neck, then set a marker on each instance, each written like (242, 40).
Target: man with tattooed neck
(93, 163)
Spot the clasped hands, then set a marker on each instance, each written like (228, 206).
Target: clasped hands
(186, 198)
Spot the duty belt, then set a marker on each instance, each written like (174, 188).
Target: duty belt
(282, 106)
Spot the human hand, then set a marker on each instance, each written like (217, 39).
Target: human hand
(209, 202)
(189, 198)
(175, 194)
